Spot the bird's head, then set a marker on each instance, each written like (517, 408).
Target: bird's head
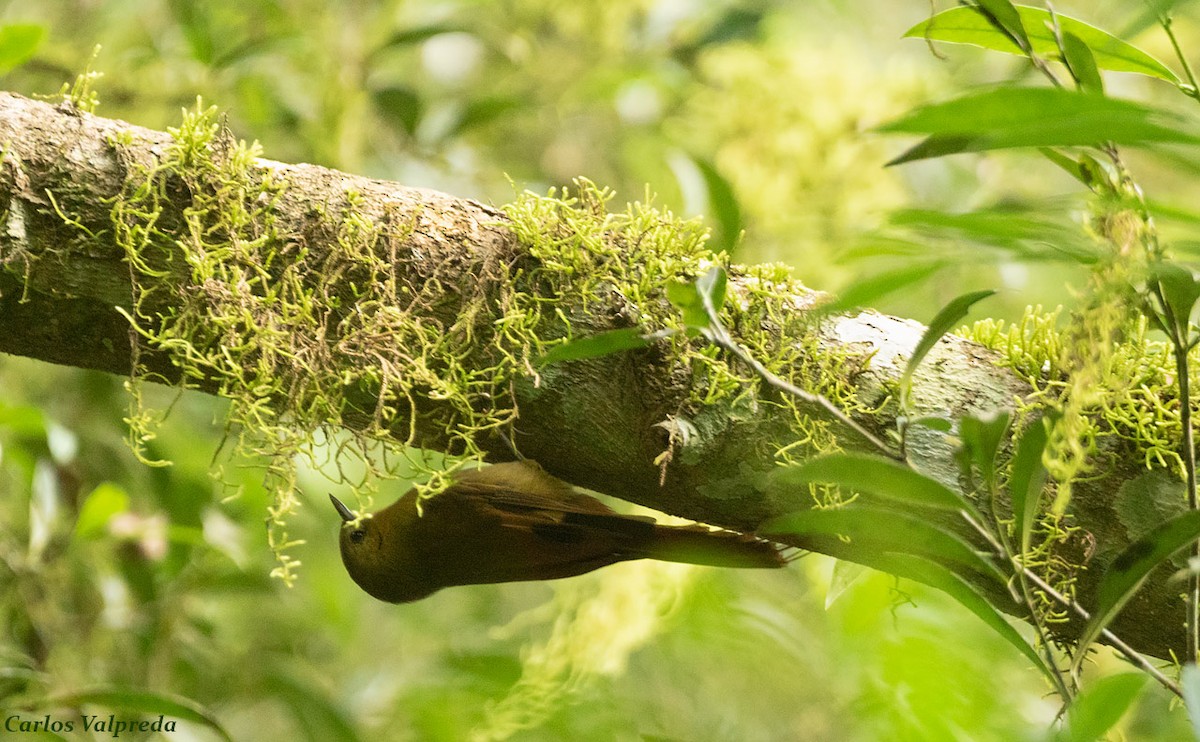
(378, 555)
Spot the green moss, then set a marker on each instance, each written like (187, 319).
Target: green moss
(594, 262)
(327, 329)
(81, 95)
(1139, 403)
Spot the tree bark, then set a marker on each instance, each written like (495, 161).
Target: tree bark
(602, 423)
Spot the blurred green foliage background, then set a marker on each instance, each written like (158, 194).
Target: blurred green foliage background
(756, 116)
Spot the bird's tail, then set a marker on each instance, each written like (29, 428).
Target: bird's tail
(696, 544)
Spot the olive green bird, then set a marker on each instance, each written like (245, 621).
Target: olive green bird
(514, 522)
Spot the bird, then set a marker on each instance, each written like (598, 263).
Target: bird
(514, 522)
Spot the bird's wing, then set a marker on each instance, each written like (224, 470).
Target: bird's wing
(525, 486)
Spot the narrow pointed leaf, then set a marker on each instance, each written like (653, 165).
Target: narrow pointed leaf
(1082, 64)
(1027, 480)
(419, 34)
(873, 475)
(1069, 165)
(1101, 705)
(856, 532)
(1006, 226)
(932, 573)
(102, 503)
(981, 439)
(945, 319)
(866, 291)
(18, 42)
(1003, 118)
(723, 206)
(594, 346)
(933, 422)
(1180, 289)
(1127, 572)
(966, 26)
(938, 145)
(686, 297)
(1004, 14)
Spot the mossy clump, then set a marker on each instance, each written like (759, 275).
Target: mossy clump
(1118, 400)
(1139, 404)
(324, 328)
(592, 261)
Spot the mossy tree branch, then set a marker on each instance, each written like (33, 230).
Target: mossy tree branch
(411, 315)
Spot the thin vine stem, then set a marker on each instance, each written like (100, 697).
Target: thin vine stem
(718, 335)
(1189, 464)
(1005, 549)
(1178, 332)
(1181, 346)
(1193, 89)
(1113, 640)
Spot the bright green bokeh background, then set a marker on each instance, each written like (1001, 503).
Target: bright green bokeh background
(755, 115)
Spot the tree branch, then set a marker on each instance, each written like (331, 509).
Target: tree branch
(635, 425)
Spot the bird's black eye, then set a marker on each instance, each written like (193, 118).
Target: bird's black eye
(357, 535)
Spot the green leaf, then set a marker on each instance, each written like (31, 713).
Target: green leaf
(1069, 165)
(18, 42)
(1180, 290)
(722, 205)
(686, 298)
(23, 420)
(873, 475)
(101, 504)
(1005, 225)
(945, 319)
(400, 104)
(936, 146)
(1175, 212)
(594, 346)
(867, 291)
(196, 26)
(981, 439)
(140, 702)
(1082, 64)
(1008, 117)
(418, 34)
(689, 298)
(735, 24)
(1031, 232)
(933, 422)
(1150, 14)
(1189, 681)
(965, 26)
(1101, 705)
(1028, 479)
(1131, 567)
(484, 110)
(1082, 167)
(857, 531)
(1005, 15)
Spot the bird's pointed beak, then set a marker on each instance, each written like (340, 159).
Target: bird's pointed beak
(342, 509)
